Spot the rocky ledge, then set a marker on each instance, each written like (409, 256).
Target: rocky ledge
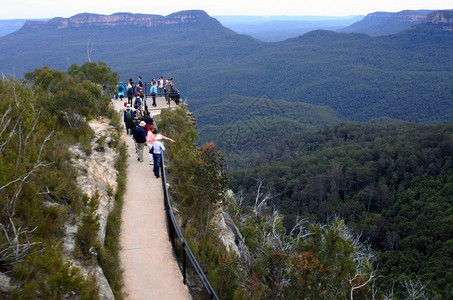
(95, 173)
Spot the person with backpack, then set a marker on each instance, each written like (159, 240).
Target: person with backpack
(138, 102)
(128, 118)
(130, 93)
(120, 89)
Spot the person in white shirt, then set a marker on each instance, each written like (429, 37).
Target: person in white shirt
(158, 147)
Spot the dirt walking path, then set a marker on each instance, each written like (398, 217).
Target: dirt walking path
(150, 270)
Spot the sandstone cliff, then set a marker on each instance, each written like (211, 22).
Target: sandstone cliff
(439, 20)
(385, 23)
(121, 19)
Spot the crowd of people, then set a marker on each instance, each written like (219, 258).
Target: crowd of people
(133, 90)
(139, 125)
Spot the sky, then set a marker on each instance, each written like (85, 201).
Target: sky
(46, 9)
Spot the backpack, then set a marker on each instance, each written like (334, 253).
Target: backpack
(128, 115)
(120, 88)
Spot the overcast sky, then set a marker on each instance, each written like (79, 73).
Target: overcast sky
(35, 9)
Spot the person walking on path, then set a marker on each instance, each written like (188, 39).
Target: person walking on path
(140, 139)
(128, 118)
(148, 120)
(158, 148)
(130, 93)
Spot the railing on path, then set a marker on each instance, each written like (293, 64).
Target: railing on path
(172, 95)
(193, 275)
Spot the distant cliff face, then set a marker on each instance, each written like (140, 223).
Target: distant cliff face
(119, 19)
(401, 17)
(385, 23)
(439, 20)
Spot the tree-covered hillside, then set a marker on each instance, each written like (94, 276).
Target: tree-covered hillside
(392, 183)
(253, 131)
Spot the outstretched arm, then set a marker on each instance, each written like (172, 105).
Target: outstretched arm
(167, 138)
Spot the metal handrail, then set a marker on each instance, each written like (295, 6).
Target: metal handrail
(173, 228)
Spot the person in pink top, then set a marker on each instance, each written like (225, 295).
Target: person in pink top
(150, 138)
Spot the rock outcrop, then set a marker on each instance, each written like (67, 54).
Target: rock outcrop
(385, 23)
(96, 174)
(439, 20)
(121, 19)
(230, 235)
(401, 17)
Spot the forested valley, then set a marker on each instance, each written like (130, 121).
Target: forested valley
(392, 184)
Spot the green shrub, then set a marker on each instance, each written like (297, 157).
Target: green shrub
(87, 233)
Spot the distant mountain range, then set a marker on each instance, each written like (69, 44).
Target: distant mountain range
(405, 76)
(279, 28)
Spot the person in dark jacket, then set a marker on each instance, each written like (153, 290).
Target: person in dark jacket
(140, 139)
(130, 93)
(148, 120)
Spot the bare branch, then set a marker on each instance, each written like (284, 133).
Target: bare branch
(415, 290)
(371, 277)
(36, 118)
(42, 145)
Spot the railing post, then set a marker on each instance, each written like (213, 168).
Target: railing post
(184, 262)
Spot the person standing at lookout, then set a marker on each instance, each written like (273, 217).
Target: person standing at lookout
(154, 93)
(120, 89)
(160, 86)
(140, 139)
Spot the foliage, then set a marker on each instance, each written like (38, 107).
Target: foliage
(38, 191)
(99, 74)
(392, 183)
(322, 261)
(70, 98)
(51, 277)
(198, 172)
(87, 233)
(198, 185)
